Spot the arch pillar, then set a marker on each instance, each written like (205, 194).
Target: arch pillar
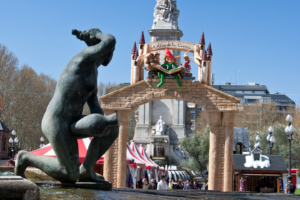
(115, 157)
(123, 117)
(214, 163)
(228, 118)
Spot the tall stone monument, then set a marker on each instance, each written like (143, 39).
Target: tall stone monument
(173, 111)
(165, 24)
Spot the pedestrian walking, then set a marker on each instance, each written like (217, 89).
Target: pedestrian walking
(162, 185)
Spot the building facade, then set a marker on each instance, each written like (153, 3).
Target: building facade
(3, 140)
(254, 93)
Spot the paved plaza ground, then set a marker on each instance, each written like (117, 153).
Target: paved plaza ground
(125, 193)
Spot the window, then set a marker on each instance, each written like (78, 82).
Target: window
(256, 156)
(248, 92)
(238, 92)
(259, 92)
(265, 100)
(192, 116)
(228, 92)
(199, 108)
(250, 100)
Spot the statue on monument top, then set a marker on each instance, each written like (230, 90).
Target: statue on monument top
(160, 127)
(165, 14)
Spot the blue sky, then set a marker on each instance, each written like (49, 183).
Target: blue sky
(252, 41)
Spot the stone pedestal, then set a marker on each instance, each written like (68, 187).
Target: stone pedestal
(15, 187)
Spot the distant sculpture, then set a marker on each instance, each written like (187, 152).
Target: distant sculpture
(136, 116)
(166, 11)
(160, 127)
(179, 152)
(63, 122)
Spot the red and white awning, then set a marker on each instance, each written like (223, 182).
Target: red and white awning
(149, 163)
(140, 156)
(132, 155)
(83, 145)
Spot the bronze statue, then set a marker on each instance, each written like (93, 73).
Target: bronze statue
(63, 122)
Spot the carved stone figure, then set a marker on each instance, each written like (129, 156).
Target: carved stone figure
(160, 127)
(136, 116)
(165, 11)
(151, 61)
(63, 122)
(179, 152)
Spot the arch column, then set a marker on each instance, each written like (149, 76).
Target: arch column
(214, 165)
(123, 117)
(228, 118)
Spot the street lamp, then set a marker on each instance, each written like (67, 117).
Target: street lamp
(42, 142)
(13, 140)
(289, 130)
(270, 138)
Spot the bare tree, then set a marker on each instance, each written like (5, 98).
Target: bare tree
(26, 95)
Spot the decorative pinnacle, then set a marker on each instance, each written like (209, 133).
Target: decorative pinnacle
(202, 39)
(204, 55)
(142, 38)
(134, 48)
(209, 51)
(136, 54)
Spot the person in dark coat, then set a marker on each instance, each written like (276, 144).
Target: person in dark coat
(146, 185)
(153, 183)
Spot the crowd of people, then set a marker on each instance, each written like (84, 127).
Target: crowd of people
(168, 184)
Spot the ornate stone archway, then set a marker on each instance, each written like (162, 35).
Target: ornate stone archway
(221, 109)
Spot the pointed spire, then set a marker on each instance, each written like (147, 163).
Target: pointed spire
(136, 54)
(142, 38)
(202, 39)
(209, 51)
(204, 55)
(134, 48)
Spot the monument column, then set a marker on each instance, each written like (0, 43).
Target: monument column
(108, 161)
(123, 117)
(214, 124)
(228, 118)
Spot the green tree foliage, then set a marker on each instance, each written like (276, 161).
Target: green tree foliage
(197, 147)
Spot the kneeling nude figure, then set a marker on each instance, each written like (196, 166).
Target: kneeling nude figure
(63, 122)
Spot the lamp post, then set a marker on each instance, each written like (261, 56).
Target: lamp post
(289, 130)
(13, 140)
(42, 142)
(271, 139)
